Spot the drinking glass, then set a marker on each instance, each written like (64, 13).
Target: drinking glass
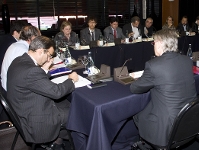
(84, 60)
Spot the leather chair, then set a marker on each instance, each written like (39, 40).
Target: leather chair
(184, 130)
(15, 120)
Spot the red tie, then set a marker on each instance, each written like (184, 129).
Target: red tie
(114, 33)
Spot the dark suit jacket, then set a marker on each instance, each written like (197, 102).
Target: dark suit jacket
(32, 96)
(195, 28)
(108, 33)
(170, 80)
(180, 28)
(85, 35)
(6, 41)
(61, 37)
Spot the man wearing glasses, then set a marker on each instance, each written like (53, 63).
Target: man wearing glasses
(148, 28)
(41, 105)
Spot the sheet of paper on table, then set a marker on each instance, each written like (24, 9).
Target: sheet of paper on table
(81, 82)
(136, 74)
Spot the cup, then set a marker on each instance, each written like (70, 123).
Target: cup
(77, 45)
(100, 43)
(126, 40)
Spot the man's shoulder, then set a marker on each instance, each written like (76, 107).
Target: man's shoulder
(107, 28)
(84, 30)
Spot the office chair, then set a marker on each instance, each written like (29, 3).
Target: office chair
(16, 123)
(186, 125)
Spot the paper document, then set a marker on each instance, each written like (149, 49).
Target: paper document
(136, 74)
(81, 82)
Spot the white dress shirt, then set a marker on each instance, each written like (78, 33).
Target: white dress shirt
(135, 31)
(13, 51)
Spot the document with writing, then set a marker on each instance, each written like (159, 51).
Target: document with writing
(80, 83)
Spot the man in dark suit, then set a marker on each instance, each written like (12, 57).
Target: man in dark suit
(8, 39)
(169, 78)
(133, 29)
(113, 31)
(90, 33)
(183, 26)
(36, 99)
(195, 27)
(147, 30)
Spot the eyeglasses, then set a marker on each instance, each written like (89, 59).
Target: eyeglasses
(48, 54)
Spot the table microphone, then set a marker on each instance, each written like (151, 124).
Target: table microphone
(124, 65)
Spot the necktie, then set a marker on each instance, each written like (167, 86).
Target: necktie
(114, 34)
(92, 36)
(184, 27)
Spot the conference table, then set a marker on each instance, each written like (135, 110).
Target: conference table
(101, 118)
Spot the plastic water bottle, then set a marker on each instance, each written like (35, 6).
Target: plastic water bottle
(90, 65)
(127, 37)
(100, 40)
(77, 44)
(189, 52)
(68, 59)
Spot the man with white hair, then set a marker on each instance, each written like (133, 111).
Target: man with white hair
(169, 78)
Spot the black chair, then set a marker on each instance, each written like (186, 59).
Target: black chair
(185, 127)
(16, 122)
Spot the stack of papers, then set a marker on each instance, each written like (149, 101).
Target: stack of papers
(81, 82)
(136, 74)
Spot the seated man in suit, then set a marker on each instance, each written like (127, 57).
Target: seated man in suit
(133, 29)
(28, 33)
(148, 28)
(195, 27)
(171, 84)
(13, 37)
(113, 31)
(39, 103)
(90, 33)
(183, 26)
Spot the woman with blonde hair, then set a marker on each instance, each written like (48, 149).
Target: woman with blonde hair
(66, 34)
(169, 23)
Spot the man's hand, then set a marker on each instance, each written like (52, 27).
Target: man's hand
(73, 76)
(48, 64)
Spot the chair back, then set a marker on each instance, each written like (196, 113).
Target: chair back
(186, 125)
(12, 114)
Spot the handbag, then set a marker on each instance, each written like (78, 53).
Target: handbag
(7, 137)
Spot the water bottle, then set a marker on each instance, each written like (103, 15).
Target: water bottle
(68, 59)
(127, 37)
(140, 35)
(189, 52)
(90, 65)
(100, 40)
(77, 44)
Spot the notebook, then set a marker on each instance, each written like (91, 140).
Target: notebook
(58, 71)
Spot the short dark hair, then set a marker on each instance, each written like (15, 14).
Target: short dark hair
(185, 17)
(113, 19)
(197, 18)
(17, 26)
(135, 18)
(41, 42)
(28, 32)
(91, 18)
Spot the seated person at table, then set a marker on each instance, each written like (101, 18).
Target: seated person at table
(28, 33)
(10, 38)
(39, 103)
(66, 34)
(169, 23)
(195, 27)
(183, 26)
(113, 31)
(148, 28)
(133, 29)
(90, 33)
(171, 84)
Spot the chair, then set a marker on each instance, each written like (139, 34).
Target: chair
(16, 123)
(185, 127)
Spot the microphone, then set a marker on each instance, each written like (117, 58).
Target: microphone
(124, 65)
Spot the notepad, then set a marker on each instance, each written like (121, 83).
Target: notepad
(59, 71)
